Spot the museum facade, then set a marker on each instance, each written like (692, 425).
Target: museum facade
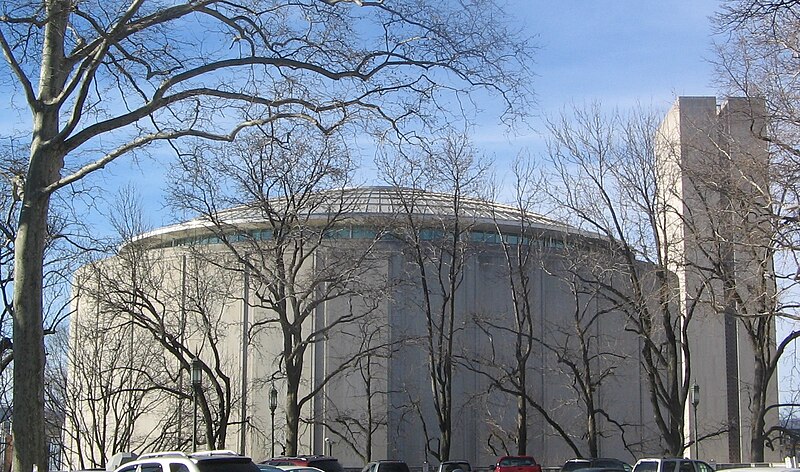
(392, 311)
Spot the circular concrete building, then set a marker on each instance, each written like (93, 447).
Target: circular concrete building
(380, 316)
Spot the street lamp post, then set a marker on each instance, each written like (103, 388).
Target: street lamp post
(273, 404)
(197, 381)
(695, 401)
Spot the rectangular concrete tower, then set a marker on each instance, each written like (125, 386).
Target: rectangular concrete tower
(713, 183)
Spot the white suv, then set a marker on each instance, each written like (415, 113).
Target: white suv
(671, 464)
(207, 461)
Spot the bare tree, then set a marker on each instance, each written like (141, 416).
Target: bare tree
(105, 387)
(520, 259)
(740, 241)
(609, 185)
(580, 355)
(523, 256)
(119, 378)
(106, 79)
(757, 59)
(439, 249)
(588, 357)
(357, 429)
(180, 302)
(286, 201)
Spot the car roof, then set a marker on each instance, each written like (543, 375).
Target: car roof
(299, 467)
(761, 469)
(179, 456)
(195, 456)
(598, 469)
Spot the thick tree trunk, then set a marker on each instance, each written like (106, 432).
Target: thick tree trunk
(293, 376)
(757, 422)
(30, 443)
(445, 432)
(522, 421)
(591, 429)
(46, 162)
(292, 423)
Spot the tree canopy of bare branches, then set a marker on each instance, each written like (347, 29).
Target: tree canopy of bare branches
(293, 186)
(608, 182)
(453, 166)
(106, 79)
(757, 57)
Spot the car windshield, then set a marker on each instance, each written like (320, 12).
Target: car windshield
(228, 465)
(574, 465)
(612, 463)
(649, 466)
(328, 465)
(607, 463)
(517, 461)
(450, 466)
(393, 467)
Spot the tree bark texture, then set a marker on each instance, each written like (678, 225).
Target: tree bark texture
(46, 162)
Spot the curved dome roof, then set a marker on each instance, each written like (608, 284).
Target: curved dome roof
(363, 202)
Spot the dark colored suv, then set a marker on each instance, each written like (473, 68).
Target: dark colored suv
(454, 466)
(326, 463)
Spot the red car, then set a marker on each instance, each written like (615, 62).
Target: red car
(517, 464)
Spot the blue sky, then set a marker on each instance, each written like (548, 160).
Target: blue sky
(621, 51)
(618, 52)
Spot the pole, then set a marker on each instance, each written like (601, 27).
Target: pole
(272, 449)
(181, 418)
(194, 419)
(695, 399)
(197, 381)
(244, 341)
(694, 432)
(273, 404)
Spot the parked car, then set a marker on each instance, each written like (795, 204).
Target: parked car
(601, 469)
(269, 468)
(206, 461)
(297, 468)
(386, 466)
(671, 464)
(761, 469)
(325, 463)
(517, 464)
(602, 462)
(452, 466)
